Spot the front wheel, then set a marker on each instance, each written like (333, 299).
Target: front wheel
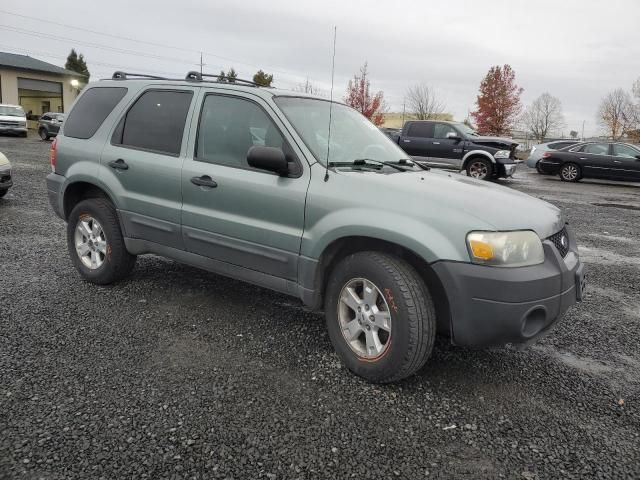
(44, 135)
(95, 242)
(3, 192)
(570, 172)
(380, 316)
(479, 168)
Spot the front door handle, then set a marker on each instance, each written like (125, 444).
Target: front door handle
(119, 164)
(204, 181)
(436, 143)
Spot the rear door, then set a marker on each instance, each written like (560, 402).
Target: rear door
(626, 162)
(417, 140)
(595, 160)
(143, 160)
(232, 212)
(444, 151)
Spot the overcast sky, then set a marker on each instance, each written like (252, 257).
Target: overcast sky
(575, 50)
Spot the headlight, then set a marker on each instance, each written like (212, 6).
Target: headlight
(505, 249)
(502, 154)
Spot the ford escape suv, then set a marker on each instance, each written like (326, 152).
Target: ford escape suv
(251, 183)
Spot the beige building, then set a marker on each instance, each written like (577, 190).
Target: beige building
(37, 86)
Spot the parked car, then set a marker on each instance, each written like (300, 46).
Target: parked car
(13, 120)
(49, 125)
(607, 160)
(535, 155)
(455, 146)
(5, 175)
(343, 221)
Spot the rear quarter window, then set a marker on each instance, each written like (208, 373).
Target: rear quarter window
(90, 111)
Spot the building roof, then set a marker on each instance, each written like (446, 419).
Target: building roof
(24, 62)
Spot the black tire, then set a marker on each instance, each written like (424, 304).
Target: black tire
(44, 134)
(538, 169)
(480, 168)
(413, 318)
(3, 192)
(118, 262)
(24, 135)
(570, 172)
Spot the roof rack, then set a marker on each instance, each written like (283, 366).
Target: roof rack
(125, 75)
(194, 76)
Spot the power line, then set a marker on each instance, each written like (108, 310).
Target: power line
(155, 44)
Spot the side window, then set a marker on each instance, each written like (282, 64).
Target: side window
(88, 113)
(45, 118)
(230, 126)
(597, 148)
(626, 151)
(440, 130)
(420, 129)
(155, 122)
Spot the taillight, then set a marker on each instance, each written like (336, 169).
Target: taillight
(546, 154)
(53, 156)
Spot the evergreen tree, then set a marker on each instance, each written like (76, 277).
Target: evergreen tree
(77, 63)
(261, 78)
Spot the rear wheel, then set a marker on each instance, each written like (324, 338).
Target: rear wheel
(3, 193)
(380, 316)
(95, 242)
(44, 135)
(570, 172)
(480, 168)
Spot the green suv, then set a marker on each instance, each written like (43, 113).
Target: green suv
(306, 197)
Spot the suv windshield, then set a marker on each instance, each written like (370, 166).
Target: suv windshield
(353, 137)
(11, 111)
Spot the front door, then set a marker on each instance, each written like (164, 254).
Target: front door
(232, 212)
(626, 162)
(444, 151)
(142, 163)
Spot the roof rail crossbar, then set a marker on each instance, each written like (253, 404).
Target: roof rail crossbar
(125, 75)
(194, 76)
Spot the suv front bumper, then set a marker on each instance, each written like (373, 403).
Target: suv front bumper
(6, 181)
(496, 306)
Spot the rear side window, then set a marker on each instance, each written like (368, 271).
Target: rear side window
(155, 122)
(559, 145)
(91, 109)
(420, 129)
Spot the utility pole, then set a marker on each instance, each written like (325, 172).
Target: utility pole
(583, 130)
(404, 101)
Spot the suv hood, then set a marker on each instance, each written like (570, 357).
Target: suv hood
(438, 197)
(11, 118)
(495, 142)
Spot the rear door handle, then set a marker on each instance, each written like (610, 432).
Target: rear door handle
(119, 164)
(204, 181)
(406, 141)
(436, 143)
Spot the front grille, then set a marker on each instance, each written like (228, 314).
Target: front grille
(561, 241)
(9, 123)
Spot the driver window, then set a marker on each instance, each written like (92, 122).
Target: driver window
(442, 129)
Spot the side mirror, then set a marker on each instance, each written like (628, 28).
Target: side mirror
(638, 157)
(453, 136)
(268, 158)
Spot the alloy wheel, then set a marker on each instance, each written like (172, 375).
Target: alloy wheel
(365, 319)
(90, 242)
(569, 172)
(478, 170)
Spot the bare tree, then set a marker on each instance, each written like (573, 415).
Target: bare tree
(423, 102)
(308, 87)
(543, 116)
(617, 113)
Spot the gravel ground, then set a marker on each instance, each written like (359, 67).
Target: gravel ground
(179, 373)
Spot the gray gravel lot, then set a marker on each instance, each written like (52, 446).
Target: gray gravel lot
(179, 373)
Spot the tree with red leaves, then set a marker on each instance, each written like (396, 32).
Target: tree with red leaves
(359, 97)
(498, 103)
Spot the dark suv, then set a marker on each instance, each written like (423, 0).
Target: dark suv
(454, 145)
(49, 125)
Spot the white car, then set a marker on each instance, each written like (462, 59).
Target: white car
(5, 175)
(13, 120)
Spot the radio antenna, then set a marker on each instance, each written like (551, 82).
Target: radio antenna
(333, 69)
